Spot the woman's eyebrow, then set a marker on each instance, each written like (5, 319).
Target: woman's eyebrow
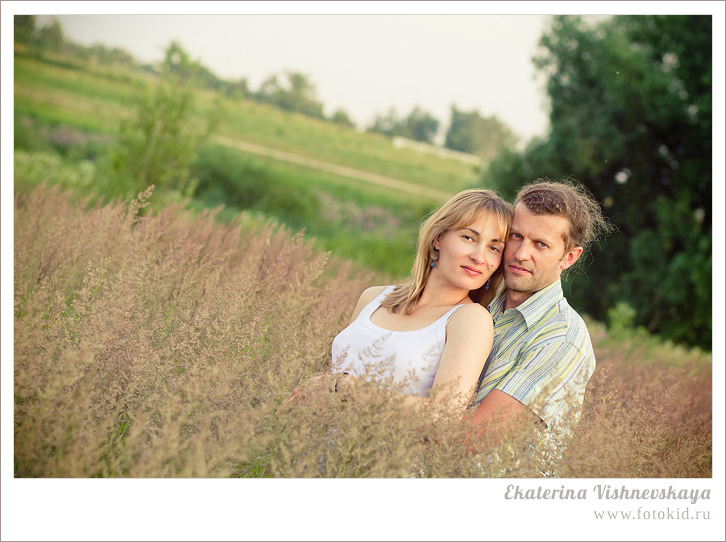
(472, 230)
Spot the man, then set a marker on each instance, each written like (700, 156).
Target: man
(542, 356)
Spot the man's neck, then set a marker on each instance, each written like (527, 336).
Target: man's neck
(515, 299)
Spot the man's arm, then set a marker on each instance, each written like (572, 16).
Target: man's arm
(556, 374)
(496, 414)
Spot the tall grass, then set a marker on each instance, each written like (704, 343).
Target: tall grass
(162, 344)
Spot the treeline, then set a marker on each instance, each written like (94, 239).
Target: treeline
(468, 131)
(631, 119)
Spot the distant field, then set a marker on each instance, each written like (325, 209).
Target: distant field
(95, 102)
(370, 216)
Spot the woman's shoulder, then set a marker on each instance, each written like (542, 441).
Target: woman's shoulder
(368, 295)
(472, 322)
(471, 311)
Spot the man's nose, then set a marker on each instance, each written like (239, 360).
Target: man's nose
(523, 251)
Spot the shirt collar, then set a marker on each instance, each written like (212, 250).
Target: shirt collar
(534, 308)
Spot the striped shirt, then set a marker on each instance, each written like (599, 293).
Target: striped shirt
(542, 356)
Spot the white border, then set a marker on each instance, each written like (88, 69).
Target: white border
(335, 509)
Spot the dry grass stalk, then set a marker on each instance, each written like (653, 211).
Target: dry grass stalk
(162, 344)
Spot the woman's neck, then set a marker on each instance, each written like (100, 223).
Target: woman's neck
(437, 296)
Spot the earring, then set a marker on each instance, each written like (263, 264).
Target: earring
(486, 286)
(434, 257)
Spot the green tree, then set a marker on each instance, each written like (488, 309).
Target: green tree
(50, 37)
(483, 136)
(389, 124)
(340, 116)
(237, 89)
(419, 125)
(631, 119)
(299, 94)
(159, 145)
(24, 27)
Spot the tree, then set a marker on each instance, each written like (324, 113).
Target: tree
(388, 124)
(483, 136)
(419, 125)
(159, 145)
(237, 89)
(24, 27)
(340, 116)
(50, 37)
(298, 95)
(631, 119)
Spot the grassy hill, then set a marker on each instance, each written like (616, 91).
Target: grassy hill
(94, 100)
(372, 224)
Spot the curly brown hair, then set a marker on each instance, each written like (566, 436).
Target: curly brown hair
(571, 200)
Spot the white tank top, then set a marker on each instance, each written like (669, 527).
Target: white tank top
(409, 358)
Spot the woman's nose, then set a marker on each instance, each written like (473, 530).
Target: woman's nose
(478, 255)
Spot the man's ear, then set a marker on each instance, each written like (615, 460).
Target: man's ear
(570, 257)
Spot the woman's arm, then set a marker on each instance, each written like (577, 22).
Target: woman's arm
(469, 337)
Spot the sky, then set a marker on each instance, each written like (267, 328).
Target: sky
(364, 64)
(366, 58)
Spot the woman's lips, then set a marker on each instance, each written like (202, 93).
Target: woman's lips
(473, 272)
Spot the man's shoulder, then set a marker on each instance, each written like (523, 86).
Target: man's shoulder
(562, 324)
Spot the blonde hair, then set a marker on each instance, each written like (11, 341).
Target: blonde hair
(459, 212)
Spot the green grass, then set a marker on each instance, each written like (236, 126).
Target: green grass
(341, 145)
(374, 226)
(371, 225)
(82, 84)
(95, 102)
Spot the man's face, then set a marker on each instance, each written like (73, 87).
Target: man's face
(534, 256)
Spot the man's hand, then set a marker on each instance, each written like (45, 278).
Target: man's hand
(497, 414)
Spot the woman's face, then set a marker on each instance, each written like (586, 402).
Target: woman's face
(470, 255)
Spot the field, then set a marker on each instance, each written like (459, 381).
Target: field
(160, 341)
(372, 224)
(164, 345)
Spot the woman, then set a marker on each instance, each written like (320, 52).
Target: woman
(433, 334)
